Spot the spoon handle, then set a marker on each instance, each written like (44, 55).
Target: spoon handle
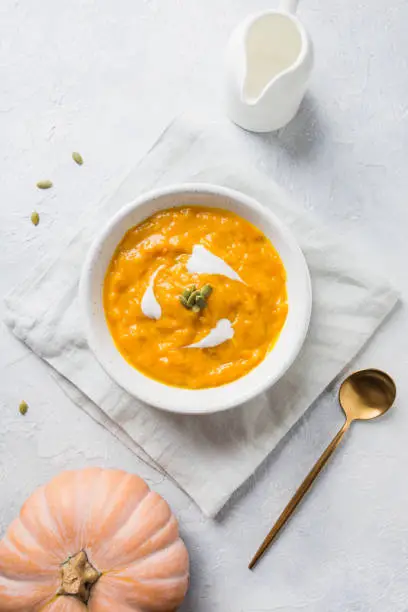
(302, 490)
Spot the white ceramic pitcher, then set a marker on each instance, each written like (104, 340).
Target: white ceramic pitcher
(269, 61)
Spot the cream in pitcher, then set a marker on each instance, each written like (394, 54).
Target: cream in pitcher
(269, 61)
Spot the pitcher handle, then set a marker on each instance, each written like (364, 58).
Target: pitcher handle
(289, 6)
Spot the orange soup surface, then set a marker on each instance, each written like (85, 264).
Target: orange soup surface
(256, 308)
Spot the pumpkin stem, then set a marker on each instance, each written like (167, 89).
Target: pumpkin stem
(78, 576)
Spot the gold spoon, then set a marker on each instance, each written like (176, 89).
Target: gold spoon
(364, 395)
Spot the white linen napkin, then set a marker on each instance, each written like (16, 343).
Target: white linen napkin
(209, 457)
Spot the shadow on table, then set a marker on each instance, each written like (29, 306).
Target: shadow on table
(302, 137)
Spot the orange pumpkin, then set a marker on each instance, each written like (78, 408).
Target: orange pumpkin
(93, 540)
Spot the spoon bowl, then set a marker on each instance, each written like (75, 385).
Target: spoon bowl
(367, 394)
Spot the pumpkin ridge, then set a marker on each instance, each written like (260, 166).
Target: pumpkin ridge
(37, 542)
(12, 544)
(11, 547)
(156, 535)
(122, 485)
(55, 532)
(128, 579)
(39, 577)
(132, 596)
(133, 566)
(124, 519)
(11, 589)
(59, 528)
(45, 606)
(84, 523)
(136, 509)
(102, 550)
(141, 560)
(183, 576)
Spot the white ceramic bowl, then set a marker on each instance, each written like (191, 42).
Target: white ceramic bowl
(188, 401)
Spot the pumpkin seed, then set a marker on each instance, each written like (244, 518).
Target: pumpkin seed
(77, 157)
(206, 291)
(23, 407)
(192, 299)
(195, 299)
(44, 184)
(200, 302)
(35, 218)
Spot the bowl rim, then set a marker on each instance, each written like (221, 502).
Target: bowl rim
(85, 299)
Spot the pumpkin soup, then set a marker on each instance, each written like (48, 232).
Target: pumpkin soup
(195, 297)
